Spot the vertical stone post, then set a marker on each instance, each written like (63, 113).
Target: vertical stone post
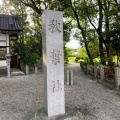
(117, 77)
(67, 77)
(101, 73)
(87, 69)
(81, 66)
(95, 71)
(36, 69)
(84, 69)
(8, 59)
(53, 62)
(71, 77)
(8, 68)
(26, 69)
(90, 69)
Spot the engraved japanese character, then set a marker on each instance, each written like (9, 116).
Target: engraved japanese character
(59, 85)
(55, 55)
(53, 26)
(55, 86)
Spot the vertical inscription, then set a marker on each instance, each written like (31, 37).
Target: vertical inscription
(53, 65)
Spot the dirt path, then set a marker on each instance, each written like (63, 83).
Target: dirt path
(95, 101)
(20, 96)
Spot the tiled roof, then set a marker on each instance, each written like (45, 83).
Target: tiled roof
(9, 23)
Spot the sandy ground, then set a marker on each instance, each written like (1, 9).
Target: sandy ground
(20, 96)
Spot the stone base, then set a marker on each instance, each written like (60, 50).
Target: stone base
(70, 114)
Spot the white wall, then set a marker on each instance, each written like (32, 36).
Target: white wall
(2, 43)
(3, 63)
(2, 36)
(3, 39)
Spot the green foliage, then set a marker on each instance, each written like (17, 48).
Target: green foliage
(116, 44)
(96, 61)
(82, 53)
(77, 59)
(68, 55)
(81, 14)
(71, 59)
(30, 58)
(68, 52)
(86, 60)
(93, 47)
(66, 60)
(27, 53)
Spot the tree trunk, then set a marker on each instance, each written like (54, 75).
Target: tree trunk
(88, 52)
(109, 54)
(107, 29)
(99, 31)
(102, 57)
(83, 33)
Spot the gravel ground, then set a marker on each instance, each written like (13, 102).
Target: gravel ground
(21, 96)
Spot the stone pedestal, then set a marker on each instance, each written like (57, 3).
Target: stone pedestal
(69, 115)
(53, 62)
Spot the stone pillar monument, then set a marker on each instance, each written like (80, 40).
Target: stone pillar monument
(53, 62)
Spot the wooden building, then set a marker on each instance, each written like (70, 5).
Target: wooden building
(10, 27)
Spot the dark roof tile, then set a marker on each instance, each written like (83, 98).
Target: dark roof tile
(9, 23)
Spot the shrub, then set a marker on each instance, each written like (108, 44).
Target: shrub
(27, 55)
(77, 59)
(66, 60)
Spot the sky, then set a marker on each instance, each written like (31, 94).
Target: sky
(0, 2)
(73, 43)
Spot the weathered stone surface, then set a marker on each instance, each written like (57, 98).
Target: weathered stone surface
(67, 77)
(101, 73)
(117, 77)
(71, 77)
(39, 64)
(26, 69)
(36, 70)
(8, 59)
(53, 62)
(70, 114)
(95, 71)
